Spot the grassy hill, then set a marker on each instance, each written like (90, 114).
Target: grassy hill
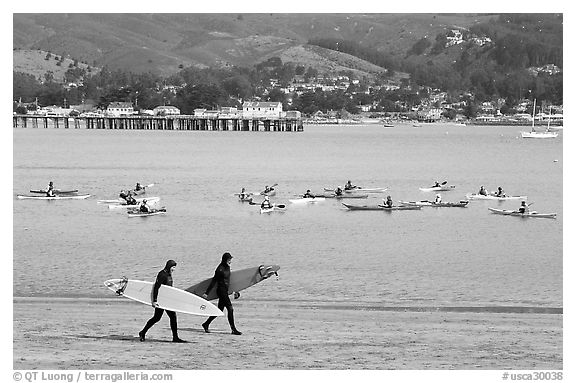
(36, 63)
(163, 43)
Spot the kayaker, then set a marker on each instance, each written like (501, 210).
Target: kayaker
(523, 209)
(266, 203)
(138, 187)
(388, 202)
(438, 198)
(500, 192)
(243, 194)
(164, 278)
(267, 189)
(349, 185)
(123, 194)
(144, 208)
(482, 191)
(338, 191)
(129, 199)
(50, 189)
(221, 280)
(308, 194)
(436, 185)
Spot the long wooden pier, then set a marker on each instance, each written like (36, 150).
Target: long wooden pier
(178, 122)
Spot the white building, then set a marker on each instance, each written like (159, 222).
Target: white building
(258, 109)
(120, 109)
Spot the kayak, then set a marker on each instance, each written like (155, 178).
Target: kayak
(56, 197)
(269, 194)
(434, 204)
(149, 201)
(138, 213)
(493, 197)
(56, 191)
(381, 207)
(360, 189)
(120, 201)
(308, 200)
(438, 188)
(274, 207)
(516, 213)
(245, 199)
(347, 195)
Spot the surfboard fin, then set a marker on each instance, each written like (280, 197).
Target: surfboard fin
(122, 286)
(236, 295)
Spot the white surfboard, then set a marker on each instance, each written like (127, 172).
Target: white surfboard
(169, 298)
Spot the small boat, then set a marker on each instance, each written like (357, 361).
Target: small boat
(434, 204)
(516, 213)
(56, 197)
(121, 201)
(381, 207)
(438, 188)
(138, 213)
(308, 200)
(494, 197)
(279, 207)
(149, 201)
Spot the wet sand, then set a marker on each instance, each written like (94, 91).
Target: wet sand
(65, 333)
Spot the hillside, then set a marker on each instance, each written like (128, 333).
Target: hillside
(35, 63)
(164, 43)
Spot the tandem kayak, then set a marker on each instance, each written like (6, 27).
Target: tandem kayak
(381, 207)
(516, 213)
(434, 204)
(439, 188)
(138, 213)
(493, 197)
(279, 207)
(149, 201)
(56, 197)
(56, 191)
(307, 200)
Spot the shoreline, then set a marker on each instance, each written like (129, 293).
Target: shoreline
(102, 333)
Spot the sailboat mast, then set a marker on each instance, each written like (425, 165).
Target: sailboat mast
(533, 114)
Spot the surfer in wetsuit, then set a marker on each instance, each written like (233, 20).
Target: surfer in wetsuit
(221, 280)
(164, 278)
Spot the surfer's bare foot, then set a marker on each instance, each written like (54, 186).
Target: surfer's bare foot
(205, 326)
(142, 336)
(236, 332)
(178, 340)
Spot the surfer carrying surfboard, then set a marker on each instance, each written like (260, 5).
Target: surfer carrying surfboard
(164, 278)
(221, 280)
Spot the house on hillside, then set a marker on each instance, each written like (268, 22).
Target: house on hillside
(117, 109)
(257, 109)
(166, 110)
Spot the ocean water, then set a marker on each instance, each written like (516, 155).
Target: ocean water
(432, 257)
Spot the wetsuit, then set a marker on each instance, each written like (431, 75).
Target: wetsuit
(221, 280)
(145, 209)
(164, 278)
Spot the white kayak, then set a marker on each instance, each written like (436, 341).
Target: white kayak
(56, 197)
(359, 189)
(138, 213)
(435, 204)
(493, 197)
(439, 188)
(516, 213)
(120, 201)
(308, 200)
(149, 201)
(279, 207)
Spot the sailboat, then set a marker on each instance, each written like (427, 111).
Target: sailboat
(535, 134)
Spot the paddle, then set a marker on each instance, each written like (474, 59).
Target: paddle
(148, 186)
(444, 183)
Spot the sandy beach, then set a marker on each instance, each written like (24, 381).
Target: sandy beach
(67, 333)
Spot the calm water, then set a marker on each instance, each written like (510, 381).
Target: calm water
(448, 257)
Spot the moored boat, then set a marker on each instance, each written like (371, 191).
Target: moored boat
(516, 213)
